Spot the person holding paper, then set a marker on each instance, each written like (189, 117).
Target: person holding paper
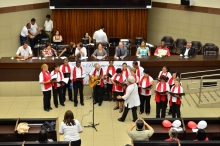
(162, 50)
(139, 69)
(77, 76)
(99, 53)
(118, 81)
(24, 51)
(57, 75)
(175, 101)
(162, 93)
(125, 70)
(143, 50)
(49, 51)
(110, 71)
(98, 90)
(133, 73)
(120, 51)
(80, 51)
(146, 84)
(46, 86)
(66, 70)
(165, 72)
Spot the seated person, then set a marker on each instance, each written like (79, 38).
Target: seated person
(40, 34)
(86, 35)
(173, 135)
(162, 50)
(57, 37)
(43, 136)
(68, 51)
(120, 51)
(99, 52)
(80, 51)
(24, 51)
(187, 51)
(143, 50)
(143, 131)
(201, 135)
(49, 51)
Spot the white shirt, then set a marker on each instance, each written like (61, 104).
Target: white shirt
(71, 133)
(48, 25)
(24, 31)
(141, 71)
(41, 79)
(165, 74)
(143, 91)
(131, 96)
(186, 52)
(83, 50)
(78, 72)
(174, 99)
(124, 72)
(110, 71)
(58, 77)
(100, 36)
(33, 28)
(24, 52)
(117, 79)
(167, 89)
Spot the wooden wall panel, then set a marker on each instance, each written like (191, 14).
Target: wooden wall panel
(124, 23)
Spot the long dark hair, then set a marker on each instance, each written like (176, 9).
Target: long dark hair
(69, 118)
(201, 135)
(42, 136)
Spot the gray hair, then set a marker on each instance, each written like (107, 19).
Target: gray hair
(173, 134)
(189, 43)
(96, 64)
(131, 79)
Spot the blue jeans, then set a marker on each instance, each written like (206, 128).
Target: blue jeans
(32, 43)
(22, 39)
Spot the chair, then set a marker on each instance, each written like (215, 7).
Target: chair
(61, 47)
(211, 51)
(179, 44)
(197, 45)
(169, 41)
(128, 50)
(207, 44)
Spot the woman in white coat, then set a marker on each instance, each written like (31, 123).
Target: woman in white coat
(131, 98)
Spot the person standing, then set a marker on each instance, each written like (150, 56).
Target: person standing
(24, 33)
(46, 86)
(120, 51)
(125, 70)
(57, 87)
(77, 80)
(139, 69)
(131, 98)
(48, 26)
(145, 93)
(33, 31)
(66, 70)
(100, 35)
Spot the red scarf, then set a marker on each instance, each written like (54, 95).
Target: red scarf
(138, 72)
(157, 96)
(126, 74)
(46, 76)
(147, 84)
(74, 73)
(118, 87)
(55, 83)
(101, 80)
(170, 81)
(64, 70)
(113, 71)
(162, 73)
(178, 99)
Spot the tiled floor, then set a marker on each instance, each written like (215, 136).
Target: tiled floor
(110, 131)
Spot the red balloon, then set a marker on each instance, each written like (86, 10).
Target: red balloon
(192, 125)
(166, 123)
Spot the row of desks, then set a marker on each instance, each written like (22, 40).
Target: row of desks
(28, 70)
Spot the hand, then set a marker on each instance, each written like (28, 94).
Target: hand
(26, 57)
(92, 80)
(118, 97)
(80, 51)
(102, 77)
(122, 57)
(167, 93)
(95, 57)
(176, 95)
(103, 57)
(115, 57)
(49, 81)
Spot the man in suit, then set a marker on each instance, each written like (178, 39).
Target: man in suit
(41, 34)
(188, 51)
(120, 51)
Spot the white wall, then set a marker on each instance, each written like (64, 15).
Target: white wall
(8, 3)
(203, 3)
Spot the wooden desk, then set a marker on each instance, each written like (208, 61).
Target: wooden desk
(15, 70)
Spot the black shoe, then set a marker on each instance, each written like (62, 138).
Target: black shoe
(63, 104)
(56, 106)
(127, 145)
(71, 100)
(100, 104)
(75, 104)
(120, 120)
(169, 113)
(50, 108)
(110, 99)
(117, 107)
(94, 102)
(82, 104)
(47, 110)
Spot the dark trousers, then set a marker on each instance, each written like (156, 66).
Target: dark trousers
(78, 86)
(175, 110)
(46, 99)
(76, 143)
(57, 92)
(161, 106)
(22, 39)
(32, 43)
(134, 113)
(145, 101)
(66, 86)
(98, 93)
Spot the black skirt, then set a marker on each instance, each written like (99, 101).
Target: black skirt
(109, 87)
(118, 93)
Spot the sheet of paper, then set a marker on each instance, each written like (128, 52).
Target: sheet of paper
(162, 52)
(194, 130)
(92, 44)
(34, 57)
(54, 76)
(178, 129)
(63, 57)
(150, 45)
(99, 57)
(65, 80)
(83, 58)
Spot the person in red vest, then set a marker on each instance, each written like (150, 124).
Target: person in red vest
(57, 88)
(46, 86)
(161, 99)
(76, 77)
(175, 101)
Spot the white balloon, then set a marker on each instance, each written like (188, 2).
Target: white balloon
(176, 123)
(202, 124)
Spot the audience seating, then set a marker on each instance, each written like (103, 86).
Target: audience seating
(61, 47)
(207, 45)
(179, 44)
(197, 45)
(211, 51)
(169, 41)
